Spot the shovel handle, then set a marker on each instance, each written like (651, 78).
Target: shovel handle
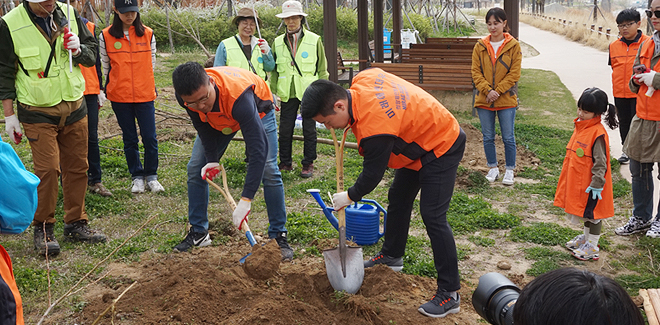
(339, 160)
(232, 203)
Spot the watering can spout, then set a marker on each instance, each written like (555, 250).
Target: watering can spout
(327, 211)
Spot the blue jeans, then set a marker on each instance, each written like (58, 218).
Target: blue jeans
(507, 119)
(93, 153)
(642, 189)
(198, 189)
(126, 114)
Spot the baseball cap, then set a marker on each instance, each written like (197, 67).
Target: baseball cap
(124, 6)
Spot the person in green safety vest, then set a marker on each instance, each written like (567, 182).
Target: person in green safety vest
(299, 60)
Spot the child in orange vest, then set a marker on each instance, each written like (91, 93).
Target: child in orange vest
(584, 190)
(128, 56)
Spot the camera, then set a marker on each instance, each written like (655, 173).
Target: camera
(495, 298)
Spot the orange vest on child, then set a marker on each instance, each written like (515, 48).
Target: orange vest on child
(622, 57)
(131, 76)
(232, 82)
(576, 174)
(384, 104)
(13, 314)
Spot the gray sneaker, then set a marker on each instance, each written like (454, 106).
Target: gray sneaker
(654, 231)
(394, 263)
(441, 305)
(576, 242)
(634, 225)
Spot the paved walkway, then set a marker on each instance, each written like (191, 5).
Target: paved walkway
(579, 67)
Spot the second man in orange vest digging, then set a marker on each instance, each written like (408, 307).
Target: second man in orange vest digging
(399, 125)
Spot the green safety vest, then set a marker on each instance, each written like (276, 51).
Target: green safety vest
(306, 59)
(236, 57)
(33, 51)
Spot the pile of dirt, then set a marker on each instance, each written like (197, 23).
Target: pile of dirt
(264, 261)
(208, 286)
(474, 157)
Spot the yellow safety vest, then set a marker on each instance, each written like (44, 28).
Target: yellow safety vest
(33, 51)
(306, 58)
(236, 56)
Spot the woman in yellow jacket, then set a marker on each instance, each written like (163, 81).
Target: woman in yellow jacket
(496, 61)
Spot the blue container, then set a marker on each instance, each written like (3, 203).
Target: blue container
(387, 40)
(362, 220)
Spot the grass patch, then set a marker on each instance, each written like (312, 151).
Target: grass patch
(547, 259)
(482, 241)
(467, 215)
(543, 233)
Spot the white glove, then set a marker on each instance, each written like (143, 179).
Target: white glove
(241, 212)
(263, 44)
(101, 98)
(646, 78)
(211, 169)
(71, 41)
(340, 200)
(13, 128)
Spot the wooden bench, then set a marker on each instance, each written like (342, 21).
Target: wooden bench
(346, 73)
(432, 76)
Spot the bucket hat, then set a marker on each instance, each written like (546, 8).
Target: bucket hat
(124, 6)
(246, 12)
(291, 8)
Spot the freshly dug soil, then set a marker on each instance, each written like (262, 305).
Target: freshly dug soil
(264, 261)
(208, 286)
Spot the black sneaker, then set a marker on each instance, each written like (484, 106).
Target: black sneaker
(395, 263)
(285, 248)
(79, 231)
(45, 243)
(441, 305)
(199, 239)
(623, 160)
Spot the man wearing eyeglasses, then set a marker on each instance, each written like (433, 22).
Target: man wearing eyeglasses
(221, 101)
(622, 56)
(642, 144)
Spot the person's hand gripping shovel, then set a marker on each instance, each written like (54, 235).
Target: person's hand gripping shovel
(225, 192)
(343, 264)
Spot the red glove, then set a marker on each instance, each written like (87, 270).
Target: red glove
(71, 41)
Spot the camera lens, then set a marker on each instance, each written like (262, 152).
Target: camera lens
(495, 298)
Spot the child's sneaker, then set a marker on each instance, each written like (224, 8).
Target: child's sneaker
(634, 225)
(586, 252)
(576, 242)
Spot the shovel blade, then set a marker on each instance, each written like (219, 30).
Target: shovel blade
(352, 282)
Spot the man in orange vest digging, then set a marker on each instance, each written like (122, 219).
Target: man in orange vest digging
(399, 125)
(221, 101)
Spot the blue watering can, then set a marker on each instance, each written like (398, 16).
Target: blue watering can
(362, 220)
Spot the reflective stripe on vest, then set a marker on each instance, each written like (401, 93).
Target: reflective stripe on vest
(648, 108)
(307, 60)
(131, 76)
(384, 104)
(232, 83)
(236, 57)
(33, 51)
(92, 86)
(622, 58)
(576, 174)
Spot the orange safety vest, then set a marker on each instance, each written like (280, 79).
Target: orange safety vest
(576, 174)
(648, 108)
(384, 104)
(92, 86)
(131, 76)
(13, 314)
(622, 57)
(232, 82)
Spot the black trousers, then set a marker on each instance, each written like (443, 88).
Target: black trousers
(436, 181)
(625, 110)
(288, 114)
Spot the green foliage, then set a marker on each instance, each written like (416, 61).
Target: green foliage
(303, 228)
(548, 144)
(482, 241)
(621, 188)
(33, 281)
(468, 215)
(418, 259)
(543, 233)
(632, 282)
(547, 259)
(476, 181)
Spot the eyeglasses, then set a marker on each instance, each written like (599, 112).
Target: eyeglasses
(626, 25)
(201, 100)
(650, 13)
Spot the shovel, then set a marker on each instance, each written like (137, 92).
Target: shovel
(343, 264)
(232, 203)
